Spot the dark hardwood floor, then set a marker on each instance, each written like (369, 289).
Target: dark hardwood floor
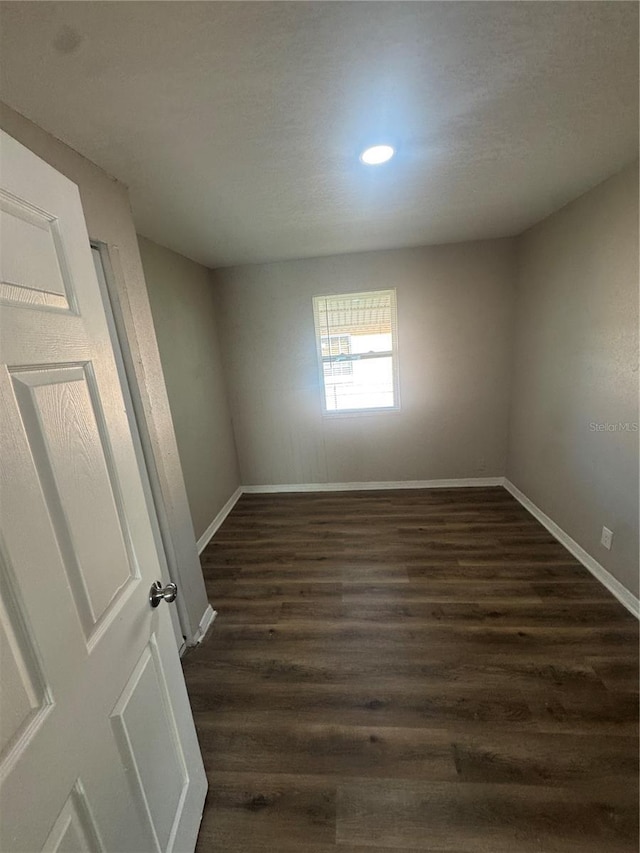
(411, 670)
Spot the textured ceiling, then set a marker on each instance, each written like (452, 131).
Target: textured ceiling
(237, 126)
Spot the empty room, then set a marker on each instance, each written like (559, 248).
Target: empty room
(319, 446)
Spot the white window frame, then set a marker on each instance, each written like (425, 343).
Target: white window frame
(393, 352)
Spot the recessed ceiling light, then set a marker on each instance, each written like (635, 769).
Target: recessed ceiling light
(377, 154)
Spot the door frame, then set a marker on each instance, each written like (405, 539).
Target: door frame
(105, 274)
(112, 285)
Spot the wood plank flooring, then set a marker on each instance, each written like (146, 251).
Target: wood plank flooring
(413, 670)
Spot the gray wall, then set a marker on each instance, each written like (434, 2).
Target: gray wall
(454, 317)
(576, 364)
(183, 311)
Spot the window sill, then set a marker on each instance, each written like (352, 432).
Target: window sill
(359, 413)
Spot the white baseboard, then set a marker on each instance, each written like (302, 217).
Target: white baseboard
(372, 486)
(614, 586)
(206, 537)
(205, 624)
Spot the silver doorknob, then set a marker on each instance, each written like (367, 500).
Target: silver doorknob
(159, 593)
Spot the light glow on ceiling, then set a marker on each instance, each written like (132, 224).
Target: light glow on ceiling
(377, 154)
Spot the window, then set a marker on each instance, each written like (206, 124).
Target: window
(356, 338)
(336, 346)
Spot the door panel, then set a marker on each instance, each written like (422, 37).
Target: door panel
(97, 744)
(160, 778)
(26, 695)
(35, 273)
(58, 410)
(75, 830)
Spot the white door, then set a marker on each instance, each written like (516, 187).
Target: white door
(98, 749)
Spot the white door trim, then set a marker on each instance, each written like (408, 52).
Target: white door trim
(105, 275)
(162, 462)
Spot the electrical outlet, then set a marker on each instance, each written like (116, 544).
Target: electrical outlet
(607, 538)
